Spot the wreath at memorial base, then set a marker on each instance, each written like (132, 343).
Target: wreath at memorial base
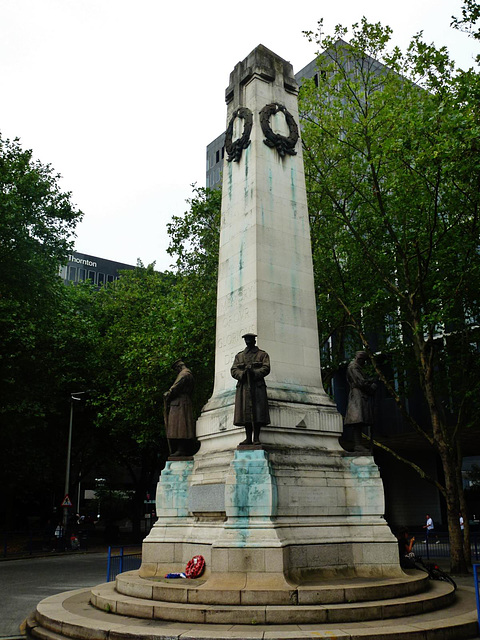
(194, 569)
(283, 144)
(234, 149)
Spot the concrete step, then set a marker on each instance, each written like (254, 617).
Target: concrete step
(261, 589)
(106, 598)
(70, 616)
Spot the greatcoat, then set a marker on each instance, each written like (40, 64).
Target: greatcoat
(251, 385)
(180, 416)
(360, 406)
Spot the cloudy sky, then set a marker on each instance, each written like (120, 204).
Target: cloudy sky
(122, 97)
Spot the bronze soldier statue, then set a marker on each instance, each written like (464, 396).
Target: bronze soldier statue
(251, 405)
(179, 422)
(360, 406)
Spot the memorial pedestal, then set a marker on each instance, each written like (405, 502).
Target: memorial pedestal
(290, 513)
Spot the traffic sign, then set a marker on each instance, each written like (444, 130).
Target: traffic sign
(67, 502)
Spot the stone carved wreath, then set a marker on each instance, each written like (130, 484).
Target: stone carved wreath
(283, 144)
(234, 149)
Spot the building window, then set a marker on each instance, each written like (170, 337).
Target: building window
(91, 276)
(81, 274)
(101, 278)
(110, 278)
(72, 274)
(223, 152)
(217, 156)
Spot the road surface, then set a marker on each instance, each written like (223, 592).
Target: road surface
(23, 583)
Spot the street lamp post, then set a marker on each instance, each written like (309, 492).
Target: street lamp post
(73, 397)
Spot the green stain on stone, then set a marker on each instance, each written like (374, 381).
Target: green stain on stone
(362, 471)
(240, 259)
(230, 181)
(254, 494)
(293, 189)
(245, 187)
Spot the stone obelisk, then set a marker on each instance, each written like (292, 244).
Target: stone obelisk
(297, 506)
(265, 282)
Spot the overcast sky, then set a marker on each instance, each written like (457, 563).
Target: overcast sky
(122, 97)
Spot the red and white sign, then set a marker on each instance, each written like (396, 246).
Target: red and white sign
(66, 502)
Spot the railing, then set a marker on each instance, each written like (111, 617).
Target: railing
(121, 561)
(438, 546)
(29, 543)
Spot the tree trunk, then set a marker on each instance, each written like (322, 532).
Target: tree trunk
(458, 563)
(450, 464)
(463, 508)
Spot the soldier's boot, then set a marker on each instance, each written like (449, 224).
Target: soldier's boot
(181, 449)
(359, 444)
(248, 432)
(256, 434)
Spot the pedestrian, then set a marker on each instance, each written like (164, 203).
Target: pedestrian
(430, 527)
(462, 522)
(59, 535)
(405, 549)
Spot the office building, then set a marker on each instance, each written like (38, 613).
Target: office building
(98, 271)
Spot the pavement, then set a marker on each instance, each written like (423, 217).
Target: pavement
(25, 582)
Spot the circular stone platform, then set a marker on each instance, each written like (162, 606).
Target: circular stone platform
(70, 615)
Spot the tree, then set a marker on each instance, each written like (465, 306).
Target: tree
(392, 179)
(147, 321)
(134, 358)
(469, 19)
(194, 242)
(37, 220)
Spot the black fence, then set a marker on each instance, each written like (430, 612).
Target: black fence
(122, 559)
(438, 545)
(30, 543)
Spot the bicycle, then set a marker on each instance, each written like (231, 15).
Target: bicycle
(434, 571)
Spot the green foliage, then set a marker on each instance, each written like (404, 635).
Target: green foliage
(37, 220)
(469, 19)
(135, 352)
(392, 174)
(194, 243)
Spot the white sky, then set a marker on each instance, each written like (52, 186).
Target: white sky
(122, 97)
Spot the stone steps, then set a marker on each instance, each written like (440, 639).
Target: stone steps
(106, 598)
(259, 589)
(70, 616)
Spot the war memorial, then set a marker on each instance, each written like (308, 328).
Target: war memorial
(289, 524)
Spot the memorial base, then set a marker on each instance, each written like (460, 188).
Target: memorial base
(283, 514)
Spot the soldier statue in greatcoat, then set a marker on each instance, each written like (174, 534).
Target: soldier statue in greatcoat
(251, 404)
(179, 422)
(360, 400)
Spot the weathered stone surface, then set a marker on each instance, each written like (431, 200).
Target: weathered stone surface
(298, 507)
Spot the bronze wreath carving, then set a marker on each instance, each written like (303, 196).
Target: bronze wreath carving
(283, 144)
(234, 149)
